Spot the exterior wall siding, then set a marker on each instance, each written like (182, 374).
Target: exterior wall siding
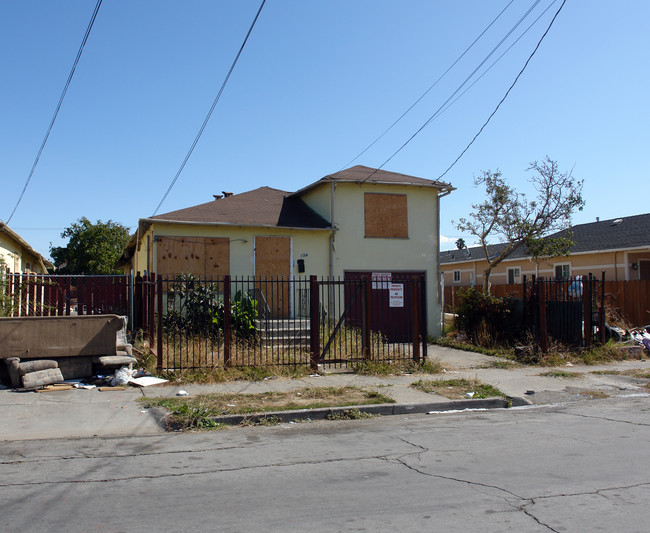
(418, 252)
(618, 266)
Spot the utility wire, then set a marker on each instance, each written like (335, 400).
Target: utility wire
(499, 58)
(507, 92)
(58, 107)
(432, 117)
(214, 104)
(430, 88)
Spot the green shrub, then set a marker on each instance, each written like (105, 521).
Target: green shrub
(196, 308)
(486, 320)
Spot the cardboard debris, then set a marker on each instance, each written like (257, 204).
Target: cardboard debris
(55, 387)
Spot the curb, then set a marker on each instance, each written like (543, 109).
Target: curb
(324, 413)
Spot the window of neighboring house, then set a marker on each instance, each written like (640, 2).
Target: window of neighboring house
(514, 275)
(456, 276)
(385, 216)
(563, 271)
(644, 269)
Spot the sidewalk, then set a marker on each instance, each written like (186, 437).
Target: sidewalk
(88, 413)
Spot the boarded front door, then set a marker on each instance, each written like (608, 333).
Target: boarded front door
(200, 256)
(272, 271)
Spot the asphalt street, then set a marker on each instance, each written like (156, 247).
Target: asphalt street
(578, 466)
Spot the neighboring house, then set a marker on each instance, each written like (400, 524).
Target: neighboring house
(18, 255)
(356, 220)
(619, 247)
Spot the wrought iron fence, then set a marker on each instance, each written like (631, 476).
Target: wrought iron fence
(570, 311)
(195, 322)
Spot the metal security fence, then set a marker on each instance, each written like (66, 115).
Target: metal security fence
(570, 311)
(27, 294)
(199, 323)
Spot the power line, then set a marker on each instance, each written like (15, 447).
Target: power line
(58, 107)
(214, 104)
(430, 88)
(437, 112)
(499, 58)
(507, 92)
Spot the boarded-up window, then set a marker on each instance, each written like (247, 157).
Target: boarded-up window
(201, 256)
(386, 216)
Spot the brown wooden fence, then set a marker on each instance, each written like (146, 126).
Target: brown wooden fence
(630, 299)
(52, 295)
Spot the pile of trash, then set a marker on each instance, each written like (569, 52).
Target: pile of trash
(636, 336)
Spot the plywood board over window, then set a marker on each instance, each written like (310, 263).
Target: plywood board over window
(386, 216)
(201, 256)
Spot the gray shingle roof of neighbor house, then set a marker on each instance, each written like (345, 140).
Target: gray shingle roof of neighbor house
(613, 234)
(264, 206)
(359, 174)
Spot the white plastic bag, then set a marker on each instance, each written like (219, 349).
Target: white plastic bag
(121, 377)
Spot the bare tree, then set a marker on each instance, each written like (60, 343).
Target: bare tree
(508, 217)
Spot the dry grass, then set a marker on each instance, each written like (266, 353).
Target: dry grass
(202, 360)
(200, 411)
(457, 388)
(560, 374)
(593, 394)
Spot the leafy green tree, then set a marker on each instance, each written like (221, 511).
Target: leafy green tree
(91, 249)
(508, 217)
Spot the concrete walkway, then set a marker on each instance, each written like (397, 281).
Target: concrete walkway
(88, 413)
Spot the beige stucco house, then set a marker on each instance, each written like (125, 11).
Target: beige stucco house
(619, 247)
(18, 256)
(356, 220)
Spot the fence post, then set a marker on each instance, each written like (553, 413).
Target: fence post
(137, 302)
(365, 317)
(130, 305)
(587, 315)
(416, 319)
(159, 333)
(227, 333)
(151, 301)
(543, 332)
(601, 310)
(442, 307)
(314, 331)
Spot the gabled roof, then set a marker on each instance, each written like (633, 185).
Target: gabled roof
(361, 174)
(260, 207)
(44, 263)
(603, 235)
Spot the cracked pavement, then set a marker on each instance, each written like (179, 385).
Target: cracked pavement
(580, 466)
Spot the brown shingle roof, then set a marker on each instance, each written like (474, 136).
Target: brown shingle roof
(260, 207)
(359, 174)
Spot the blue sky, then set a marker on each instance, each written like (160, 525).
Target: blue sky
(317, 82)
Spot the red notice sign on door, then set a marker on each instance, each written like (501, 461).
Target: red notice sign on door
(396, 295)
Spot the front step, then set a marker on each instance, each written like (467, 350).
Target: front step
(285, 332)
